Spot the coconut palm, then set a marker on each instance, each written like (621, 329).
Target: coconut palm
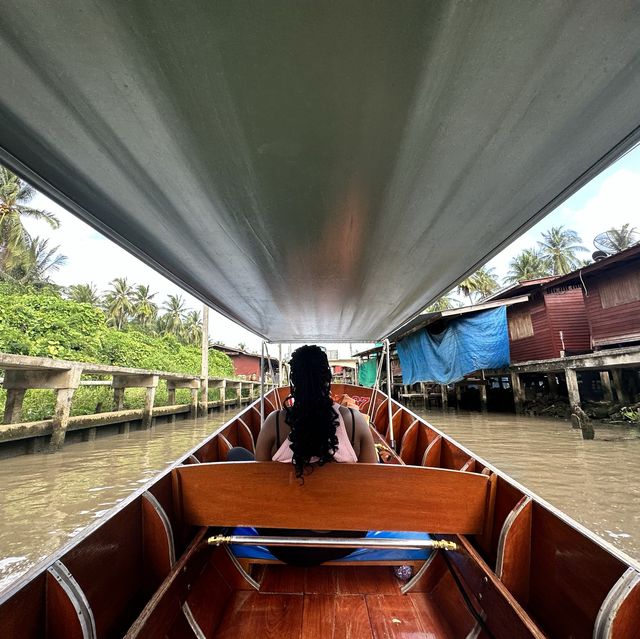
(172, 322)
(14, 198)
(84, 294)
(559, 248)
(443, 303)
(145, 309)
(480, 284)
(527, 265)
(622, 238)
(117, 302)
(37, 261)
(192, 328)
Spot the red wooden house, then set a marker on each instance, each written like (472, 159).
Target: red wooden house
(245, 364)
(551, 323)
(611, 291)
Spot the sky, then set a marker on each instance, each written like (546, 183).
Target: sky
(609, 200)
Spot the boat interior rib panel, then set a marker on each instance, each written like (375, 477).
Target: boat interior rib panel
(316, 171)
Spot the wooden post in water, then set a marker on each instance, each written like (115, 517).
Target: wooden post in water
(605, 381)
(572, 387)
(458, 389)
(518, 392)
(483, 397)
(618, 387)
(444, 391)
(204, 370)
(552, 381)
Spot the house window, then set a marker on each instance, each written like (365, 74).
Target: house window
(620, 290)
(520, 326)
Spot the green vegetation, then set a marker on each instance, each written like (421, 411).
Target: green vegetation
(42, 323)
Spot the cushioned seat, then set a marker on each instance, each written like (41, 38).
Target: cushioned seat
(359, 554)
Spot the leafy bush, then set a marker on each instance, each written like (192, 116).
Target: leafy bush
(44, 324)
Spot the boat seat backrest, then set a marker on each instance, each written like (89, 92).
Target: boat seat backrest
(332, 497)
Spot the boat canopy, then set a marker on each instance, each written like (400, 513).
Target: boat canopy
(314, 170)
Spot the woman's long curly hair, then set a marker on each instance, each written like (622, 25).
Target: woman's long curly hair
(311, 416)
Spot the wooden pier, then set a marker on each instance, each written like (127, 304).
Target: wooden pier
(22, 373)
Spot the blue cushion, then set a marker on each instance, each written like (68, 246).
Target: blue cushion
(360, 554)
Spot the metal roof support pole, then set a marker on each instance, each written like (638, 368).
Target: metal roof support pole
(387, 344)
(262, 385)
(375, 385)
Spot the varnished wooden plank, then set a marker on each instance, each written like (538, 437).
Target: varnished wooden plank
(351, 618)
(321, 579)
(318, 617)
(433, 622)
(283, 579)
(394, 617)
(504, 616)
(367, 580)
(333, 497)
(514, 551)
(253, 614)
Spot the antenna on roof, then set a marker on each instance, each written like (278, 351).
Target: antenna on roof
(614, 240)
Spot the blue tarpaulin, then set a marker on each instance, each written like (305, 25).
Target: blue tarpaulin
(466, 345)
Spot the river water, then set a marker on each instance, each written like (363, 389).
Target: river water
(595, 482)
(47, 499)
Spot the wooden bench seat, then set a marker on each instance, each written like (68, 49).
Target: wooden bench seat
(332, 497)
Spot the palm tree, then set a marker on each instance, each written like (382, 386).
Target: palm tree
(527, 265)
(35, 263)
(559, 248)
(192, 328)
(443, 303)
(14, 198)
(117, 302)
(481, 283)
(173, 319)
(622, 238)
(84, 294)
(144, 309)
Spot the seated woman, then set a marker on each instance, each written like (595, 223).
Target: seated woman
(311, 431)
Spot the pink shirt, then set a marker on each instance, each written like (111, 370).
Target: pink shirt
(344, 453)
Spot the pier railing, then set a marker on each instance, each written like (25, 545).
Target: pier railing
(22, 373)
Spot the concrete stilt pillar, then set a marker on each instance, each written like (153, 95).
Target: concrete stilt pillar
(240, 394)
(223, 393)
(458, 395)
(171, 396)
(518, 393)
(118, 398)
(444, 392)
(572, 387)
(621, 395)
(149, 397)
(552, 381)
(194, 403)
(13, 405)
(483, 398)
(61, 417)
(605, 381)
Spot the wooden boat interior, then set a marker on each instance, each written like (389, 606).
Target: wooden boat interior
(520, 568)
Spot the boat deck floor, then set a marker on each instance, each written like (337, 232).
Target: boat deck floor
(331, 602)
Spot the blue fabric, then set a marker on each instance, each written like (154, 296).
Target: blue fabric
(360, 554)
(468, 344)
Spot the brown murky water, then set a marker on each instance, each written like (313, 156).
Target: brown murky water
(47, 499)
(596, 482)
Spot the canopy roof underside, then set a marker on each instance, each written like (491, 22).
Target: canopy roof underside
(316, 171)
